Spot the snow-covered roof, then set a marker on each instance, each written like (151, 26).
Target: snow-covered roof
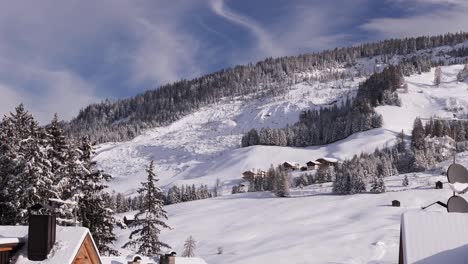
(68, 242)
(130, 217)
(434, 237)
(145, 260)
(9, 240)
(180, 260)
(333, 160)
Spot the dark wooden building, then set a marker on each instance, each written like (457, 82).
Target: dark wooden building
(129, 219)
(439, 185)
(396, 203)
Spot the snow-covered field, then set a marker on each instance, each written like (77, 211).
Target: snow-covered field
(255, 228)
(204, 145)
(313, 226)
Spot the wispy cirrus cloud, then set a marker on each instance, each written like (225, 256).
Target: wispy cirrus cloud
(58, 56)
(265, 43)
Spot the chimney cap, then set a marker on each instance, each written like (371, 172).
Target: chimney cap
(39, 208)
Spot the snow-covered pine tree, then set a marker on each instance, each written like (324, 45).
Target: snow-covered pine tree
(378, 184)
(64, 166)
(174, 195)
(281, 182)
(25, 168)
(189, 247)
(217, 188)
(149, 220)
(405, 181)
(93, 211)
(401, 145)
(438, 76)
(461, 76)
(57, 153)
(418, 134)
(9, 167)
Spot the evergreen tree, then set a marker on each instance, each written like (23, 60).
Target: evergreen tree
(378, 184)
(401, 145)
(281, 182)
(438, 76)
(418, 134)
(149, 220)
(405, 181)
(217, 188)
(189, 247)
(93, 211)
(26, 176)
(461, 76)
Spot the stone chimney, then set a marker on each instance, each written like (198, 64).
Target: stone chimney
(168, 258)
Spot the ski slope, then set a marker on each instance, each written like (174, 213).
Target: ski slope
(204, 146)
(257, 228)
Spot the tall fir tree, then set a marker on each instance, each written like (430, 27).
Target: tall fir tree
(93, 210)
(189, 247)
(26, 177)
(437, 76)
(149, 221)
(418, 134)
(281, 182)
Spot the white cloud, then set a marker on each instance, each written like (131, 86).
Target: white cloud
(41, 41)
(61, 92)
(163, 56)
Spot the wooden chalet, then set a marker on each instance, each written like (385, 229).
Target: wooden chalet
(35, 243)
(326, 162)
(250, 175)
(290, 166)
(312, 165)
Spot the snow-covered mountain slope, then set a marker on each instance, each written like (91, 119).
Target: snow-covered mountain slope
(258, 228)
(204, 145)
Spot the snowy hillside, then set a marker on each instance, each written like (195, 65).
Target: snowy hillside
(361, 228)
(204, 145)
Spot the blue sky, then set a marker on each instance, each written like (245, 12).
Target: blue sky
(59, 56)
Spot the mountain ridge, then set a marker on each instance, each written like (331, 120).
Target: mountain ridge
(127, 118)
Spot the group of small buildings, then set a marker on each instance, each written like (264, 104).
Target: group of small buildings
(317, 164)
(310, 165)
